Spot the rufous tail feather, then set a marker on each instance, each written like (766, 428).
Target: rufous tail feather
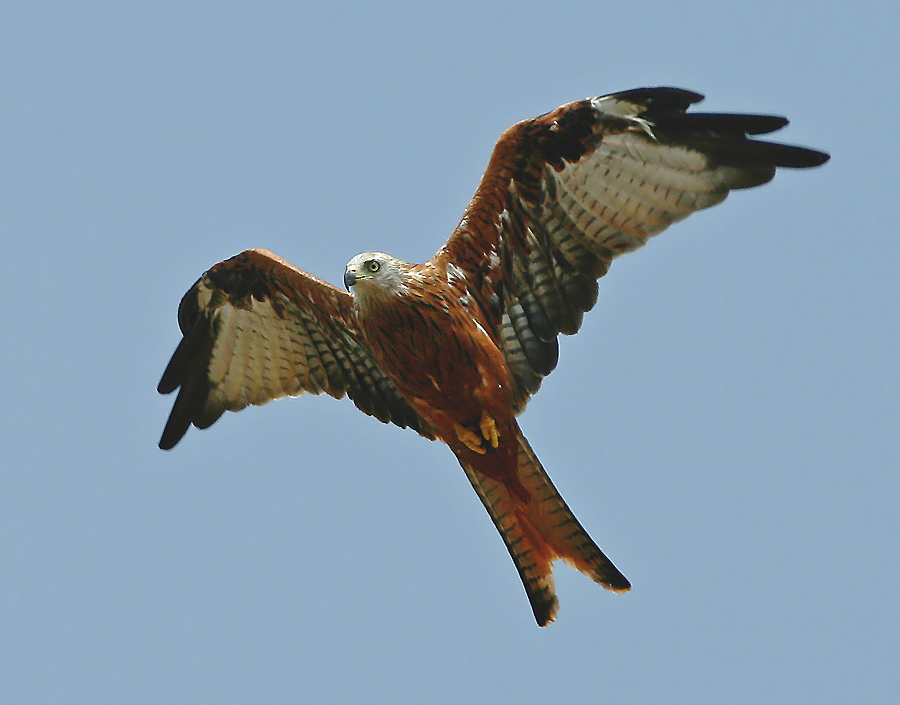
(540, 531)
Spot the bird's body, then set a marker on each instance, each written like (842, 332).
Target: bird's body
(462, 375)
(455, 347)
(461, 386)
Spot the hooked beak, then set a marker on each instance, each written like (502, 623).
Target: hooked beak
(349, 277)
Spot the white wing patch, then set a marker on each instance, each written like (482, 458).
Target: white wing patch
(259, 356)
(630, 189)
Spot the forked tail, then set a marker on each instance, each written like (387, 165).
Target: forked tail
(540, 531)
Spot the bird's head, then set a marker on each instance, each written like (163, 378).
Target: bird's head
(375, 274)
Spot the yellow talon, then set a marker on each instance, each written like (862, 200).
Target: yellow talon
(489, 433)
(489, 430)
(469, 439)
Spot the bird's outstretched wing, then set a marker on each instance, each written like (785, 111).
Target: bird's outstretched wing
(257, 328)
(567, 192)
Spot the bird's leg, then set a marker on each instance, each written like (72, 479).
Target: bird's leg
(489, 430)
(469, 439)
(489, 439)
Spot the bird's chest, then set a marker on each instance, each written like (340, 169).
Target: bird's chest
(437, 354)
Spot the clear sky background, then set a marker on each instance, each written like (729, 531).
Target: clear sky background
(725, 425)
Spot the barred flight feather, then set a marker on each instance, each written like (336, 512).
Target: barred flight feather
(455, 347)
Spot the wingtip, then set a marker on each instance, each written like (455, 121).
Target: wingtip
(166, 385)
(670, 96)
(794, 157)
(179, 420)
(817, 158)
(170, 437)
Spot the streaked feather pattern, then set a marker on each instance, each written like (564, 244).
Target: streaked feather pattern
(567, 192)
(257, 329)
(454, 348)
(541, 531)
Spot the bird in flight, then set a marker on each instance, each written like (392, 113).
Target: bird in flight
(454, 348)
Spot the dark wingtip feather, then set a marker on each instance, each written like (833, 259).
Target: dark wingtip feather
(757, 155)
(188, 408)
(666, 107)
(660, 97)
(174, 372)
(796, 157)
(188, 370)
(173, 432)
(176, 426)
(728, 123)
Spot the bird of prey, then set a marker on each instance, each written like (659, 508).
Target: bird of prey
(454, 348)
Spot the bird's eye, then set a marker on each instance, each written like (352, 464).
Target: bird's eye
(373, 265)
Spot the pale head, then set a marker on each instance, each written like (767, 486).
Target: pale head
(375, 275)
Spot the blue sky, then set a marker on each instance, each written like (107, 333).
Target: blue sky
(725, 424)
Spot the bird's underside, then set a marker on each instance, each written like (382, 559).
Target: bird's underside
(453, 348)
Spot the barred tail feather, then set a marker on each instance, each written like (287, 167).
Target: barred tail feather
(540, 531)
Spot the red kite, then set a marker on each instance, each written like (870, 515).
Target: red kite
(453, 348)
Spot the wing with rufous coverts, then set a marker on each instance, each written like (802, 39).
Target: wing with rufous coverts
(257, 328)
(567, 192)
